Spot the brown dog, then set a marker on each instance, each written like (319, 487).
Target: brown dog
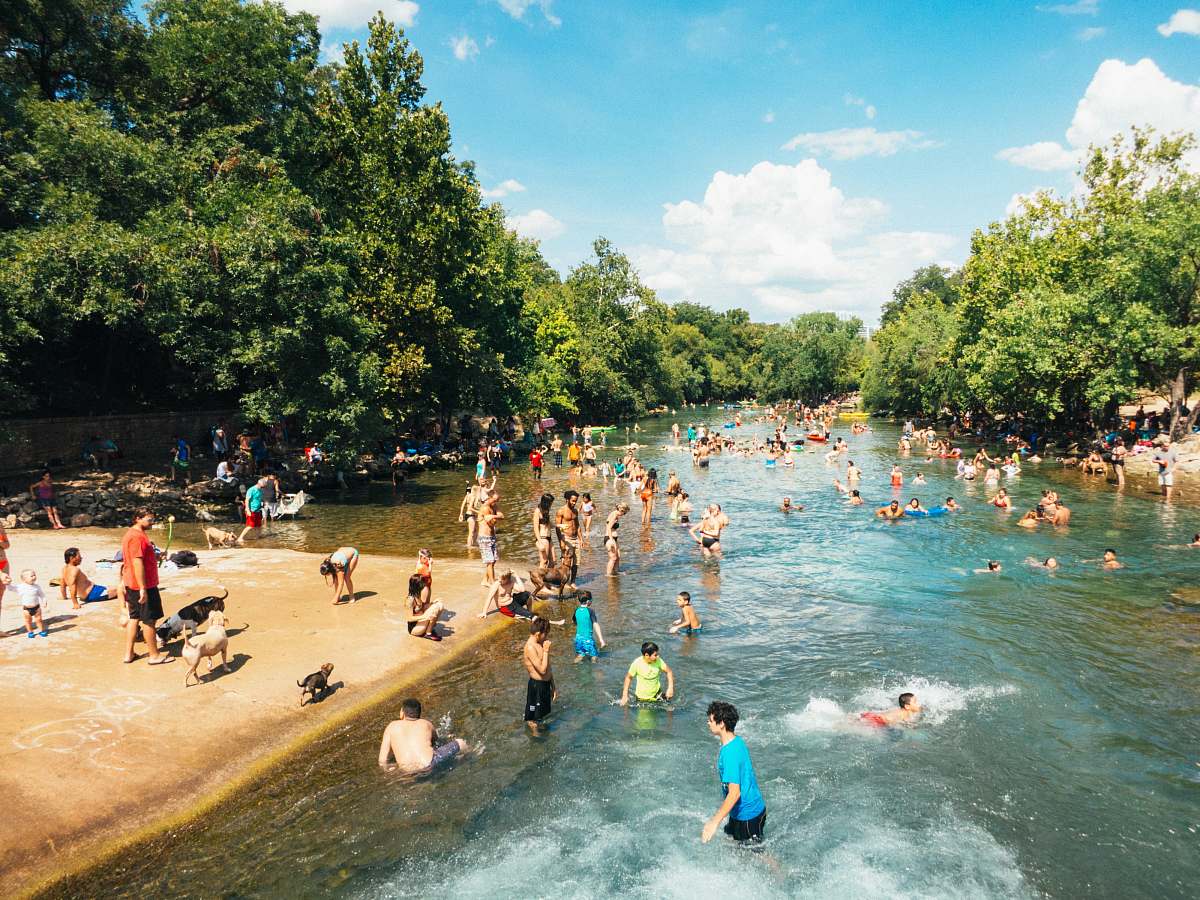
(316, 683)
(218, 537)
(213, 641)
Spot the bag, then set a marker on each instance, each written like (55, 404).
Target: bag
(184, 559)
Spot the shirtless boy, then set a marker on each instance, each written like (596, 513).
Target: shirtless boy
(906, 711)
(540, 692)
(413, 742)
(77, 587)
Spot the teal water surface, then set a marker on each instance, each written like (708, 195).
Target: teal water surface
(1059, 754)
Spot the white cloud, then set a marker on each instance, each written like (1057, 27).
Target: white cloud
(537, 224)
(503, 189)
(1019, 201)
(769, 117)
(1044, 156)
(518, 8)
(1119, 96)
(464, 47)
(782, 240)
(1090, 34)
(1185, 21)
(852, 143)
(353, 13)
(867, 108)
(1078, 8)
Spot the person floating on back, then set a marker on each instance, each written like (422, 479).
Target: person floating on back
(648, 670)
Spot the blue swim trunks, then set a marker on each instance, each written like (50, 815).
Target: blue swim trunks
(98, 592)
(585, 647)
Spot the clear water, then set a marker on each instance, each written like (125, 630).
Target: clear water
(1058, 755)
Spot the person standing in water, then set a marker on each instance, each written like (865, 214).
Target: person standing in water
(611, 545)
(648, 670)
(412, 742)
(688, 622)
(541, 530)
(468, 511)
(743, 803)
(489, 515)
(540, 692)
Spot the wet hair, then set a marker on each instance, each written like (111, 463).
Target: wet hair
(905, 699)
(567, 495)
(1111, 550)
(993, 565)
(649, 648)
(140, 512)
(327, 567)
(415, 584)
(70, 553)
(725, 714)
(584, 597)
(587, 497)
(854, 493)
(949, 499)
(411, 708)
(686, 596)
(546, 502)
(538, 625)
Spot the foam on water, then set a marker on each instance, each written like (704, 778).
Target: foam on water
(939, 699)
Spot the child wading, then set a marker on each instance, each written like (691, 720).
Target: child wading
(648, 670)
(586, 624)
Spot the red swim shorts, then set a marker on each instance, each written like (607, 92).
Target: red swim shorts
(875, 719)
(254, 519)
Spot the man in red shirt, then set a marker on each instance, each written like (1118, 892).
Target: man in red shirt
(139, 575)
(535, 462)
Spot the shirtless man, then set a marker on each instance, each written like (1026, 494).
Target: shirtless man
(489, 515)
(907, 710)
(891, 511)
(556, 446)
(412, 742)
(566, 524)
(540, 692)
(1062, 515)
(77, 587)
(1111, 561)
(853, 473)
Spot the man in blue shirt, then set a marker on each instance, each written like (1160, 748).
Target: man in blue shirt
(743, 801)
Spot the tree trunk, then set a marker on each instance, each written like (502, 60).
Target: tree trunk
(1179, 386)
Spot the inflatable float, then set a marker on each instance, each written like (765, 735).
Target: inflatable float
(927, 513)
(817, 439)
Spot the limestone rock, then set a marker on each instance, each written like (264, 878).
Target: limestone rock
(81, 520)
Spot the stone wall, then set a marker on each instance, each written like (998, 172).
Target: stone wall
(59, 441)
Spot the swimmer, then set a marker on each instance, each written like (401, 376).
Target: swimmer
(993, 566)
(1195, 540)
(897, 477)
(1001, 500)
(1111, 561)
(412, 742)
(841, 488)
(914, 507)
(908, 709)
(853, 472)
(1050, 564)
(688, 622)
(855, 498)
(891, 511)
(788, 505)
(1029, 520)
(648, 670)
(952, 504)
(918, 479)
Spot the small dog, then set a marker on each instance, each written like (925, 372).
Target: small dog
(190, 618)
(316, 683)
(213, 641)
(219, 538)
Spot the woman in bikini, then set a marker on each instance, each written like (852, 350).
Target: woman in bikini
(542, 524)
(340, 565)
(708, 533)
(610, 537)
(649, 489)
(587, 509)
(421, 620)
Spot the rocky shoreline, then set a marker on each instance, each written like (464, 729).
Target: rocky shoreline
(109, 498)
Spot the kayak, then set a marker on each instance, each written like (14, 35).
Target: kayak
(854, 415)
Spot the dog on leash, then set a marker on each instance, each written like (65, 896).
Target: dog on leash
(316, 683)
(206, 646)
(190, 618)
(219, 538)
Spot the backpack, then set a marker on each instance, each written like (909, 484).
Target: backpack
(184, 558)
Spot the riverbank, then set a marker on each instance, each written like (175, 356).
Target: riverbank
(99, 752)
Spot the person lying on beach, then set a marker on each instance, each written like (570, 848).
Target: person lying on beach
(688, 622)
(1110, 560)
(76, 586)
(908, 709)
(648, 670)
(509, 598)
(410, 744)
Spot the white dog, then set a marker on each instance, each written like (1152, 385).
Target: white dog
(213, 641)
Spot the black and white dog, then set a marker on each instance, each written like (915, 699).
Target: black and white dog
(190, 618)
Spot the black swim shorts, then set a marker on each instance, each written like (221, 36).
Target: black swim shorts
(747, 829)
(537, 700)
(147, 612)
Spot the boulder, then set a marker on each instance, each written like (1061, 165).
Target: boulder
(81, 520)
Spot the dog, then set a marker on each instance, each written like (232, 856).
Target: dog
(316, 683)
(219, 538)
(189, 617)
(213, 641)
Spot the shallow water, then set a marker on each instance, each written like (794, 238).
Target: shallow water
(1057, 756)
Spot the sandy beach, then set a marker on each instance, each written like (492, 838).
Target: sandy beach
(95, 751)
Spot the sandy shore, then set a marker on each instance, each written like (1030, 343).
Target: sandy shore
(95, 750)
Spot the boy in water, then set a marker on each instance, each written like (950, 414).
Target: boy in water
(908, 709)
(540, 691)
(1111, 561)
(688, 622)
(648, 670)
(413, 742)
(587, 629)
(743, 801)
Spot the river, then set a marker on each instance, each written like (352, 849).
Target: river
(1059, 753)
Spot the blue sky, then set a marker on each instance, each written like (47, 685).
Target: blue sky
(857, 140)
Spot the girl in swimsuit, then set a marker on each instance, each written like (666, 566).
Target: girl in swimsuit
(587, 509)
(423, 613)
(42, 492)
(541, 530)
(649, 489)
(340, 564)
(610, 537)
(467, 510)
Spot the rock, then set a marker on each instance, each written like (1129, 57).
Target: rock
(81, 520)
(70, 501)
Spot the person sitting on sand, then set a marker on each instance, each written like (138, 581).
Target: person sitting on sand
(1111, 561)
(891, 511)
(76, 586)
(907, 710)
(648, 669)
(688, 622)
(509, 597)
(423, 612)
(412, 742)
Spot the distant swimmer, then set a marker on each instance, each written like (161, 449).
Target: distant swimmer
(897, 477)
(952, 504)
(993, 566)
(853, 472)
(788, 506)
(647, 671)
(891, 511)
(410, 744)
(1195, 540)
(688, 622)
(918, 479)
(743, 802)
(1002, 500)
(908, 709)
(914, 507)
(1049, 563)
(855, 498)
(1111, 561)
(841, 488)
